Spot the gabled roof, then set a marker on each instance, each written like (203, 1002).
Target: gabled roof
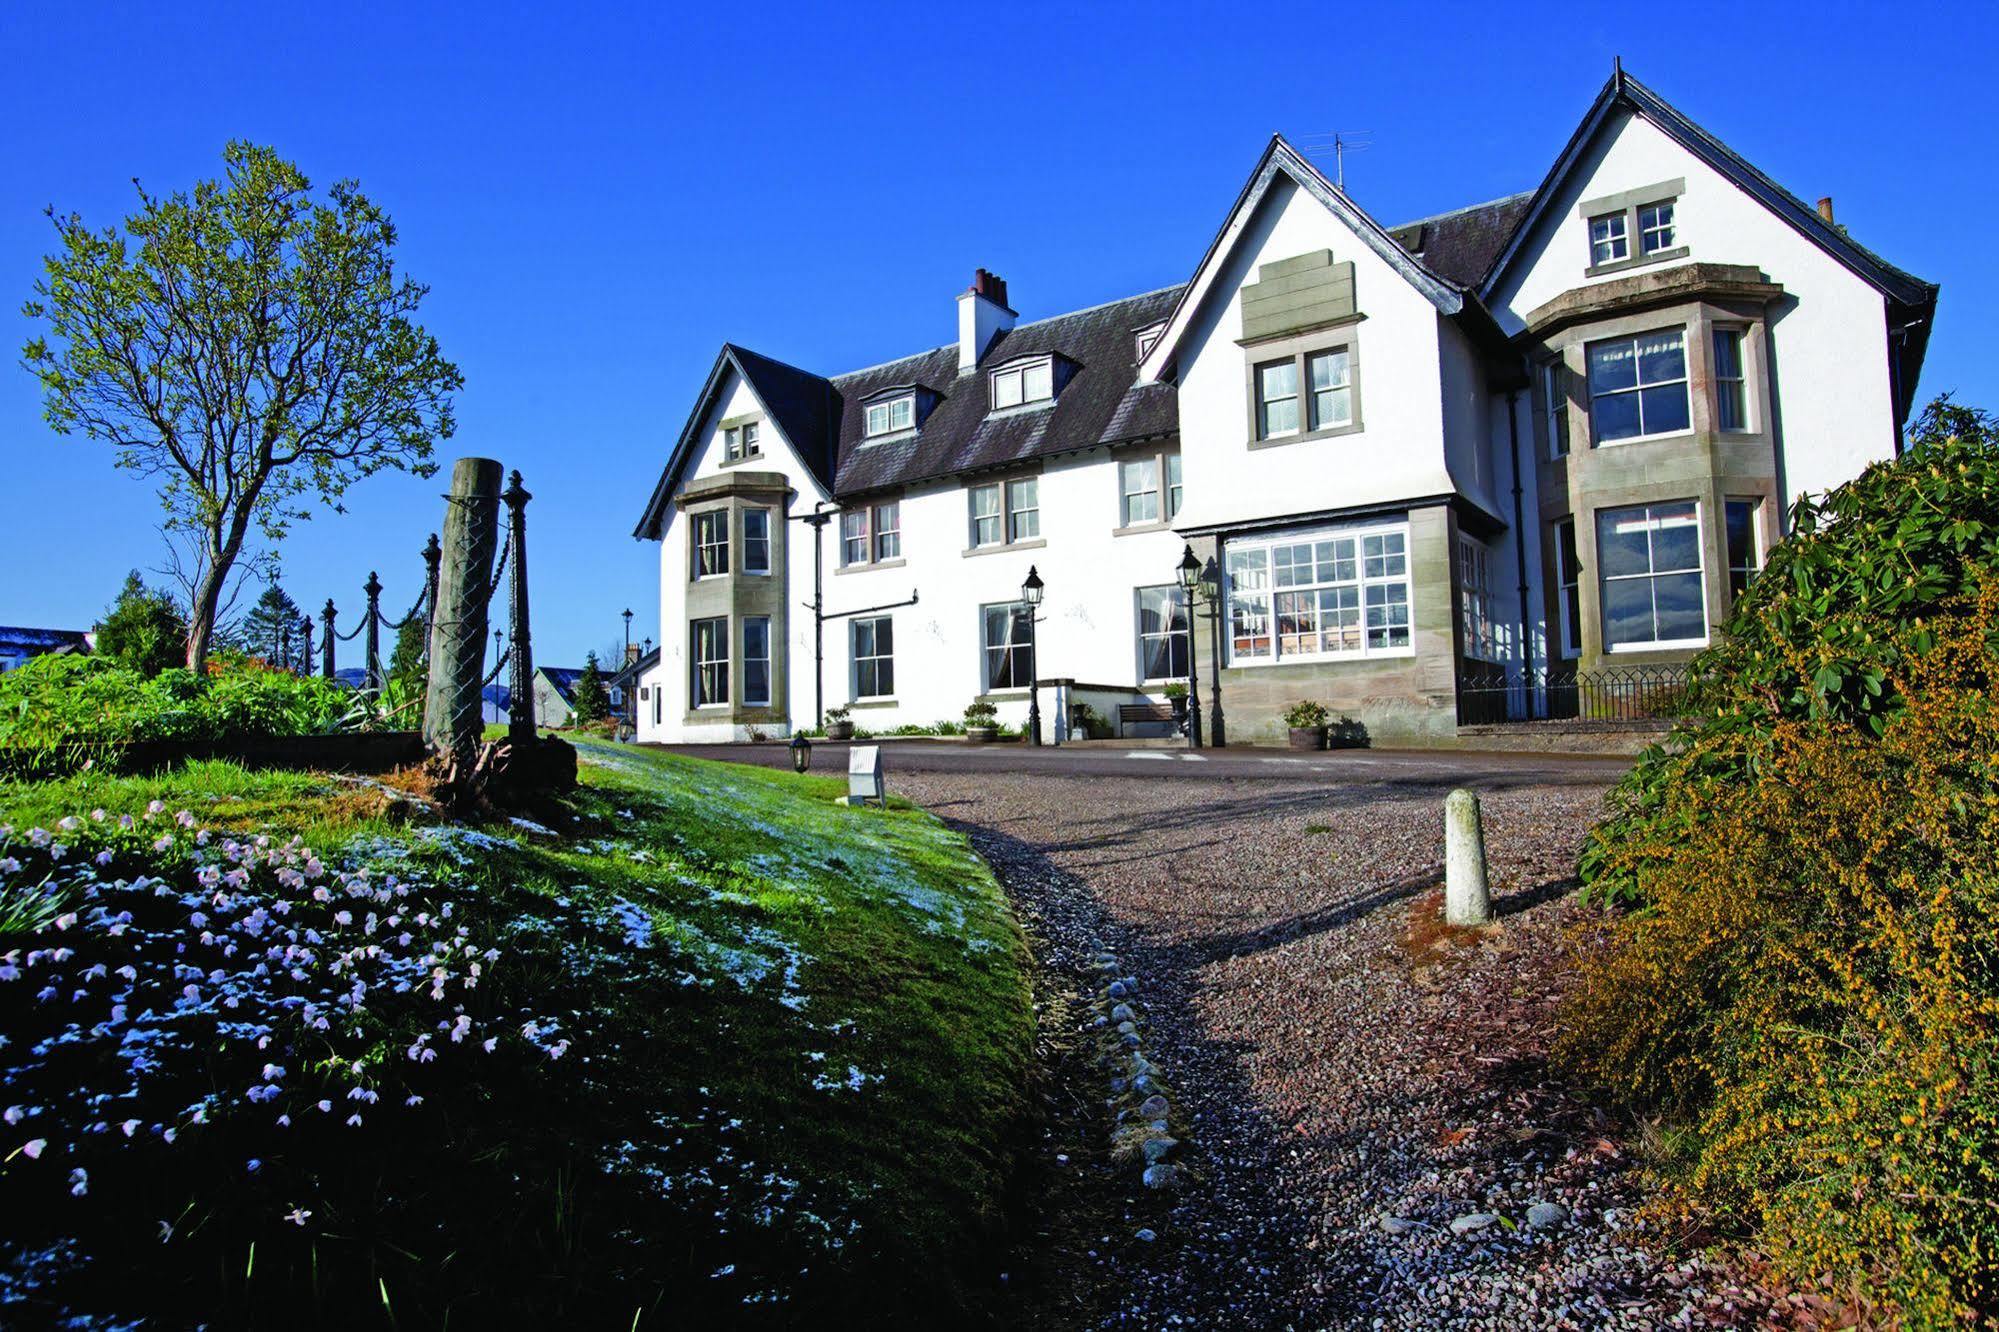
(800, 402)
(43, 640)
(1626, 93)
(642, 664)
(962, 433)
(1280, 158)
(562, 679)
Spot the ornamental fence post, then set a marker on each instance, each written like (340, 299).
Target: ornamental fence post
(372, 639)
(432, 554)
(326, 641)
(520, 704)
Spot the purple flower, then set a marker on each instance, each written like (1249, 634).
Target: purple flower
(79, 1182)
(32, 1148)
(297, 1216)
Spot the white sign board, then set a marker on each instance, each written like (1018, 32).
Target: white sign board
(864, 775)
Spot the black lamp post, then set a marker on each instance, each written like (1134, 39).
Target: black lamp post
(801, 752)
(628, 636)
(1190, 579)
(1213, 590)
(1030, 596)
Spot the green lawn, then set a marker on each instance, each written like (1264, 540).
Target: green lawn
(774, 1060)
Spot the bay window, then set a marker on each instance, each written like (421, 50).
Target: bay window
(711, 543)
(709, 658)
(1745, 556)
(1481, 635)
(1568, 573)
(1649, 563)
(756, 661)
(1340, 594)
(756, 541)
(1731, 396)
(1638, 386)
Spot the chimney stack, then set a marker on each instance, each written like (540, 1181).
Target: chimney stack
(982, 315)
(631, 653)
(1825, 209)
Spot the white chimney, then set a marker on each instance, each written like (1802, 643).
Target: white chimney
(982, 315)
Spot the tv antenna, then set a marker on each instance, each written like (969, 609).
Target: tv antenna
(1337, 144)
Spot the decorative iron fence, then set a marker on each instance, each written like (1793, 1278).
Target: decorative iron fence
(1490, 695)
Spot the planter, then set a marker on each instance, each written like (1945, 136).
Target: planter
(981, 735)
(1308, 737)
(1179, 705)
(840, 730)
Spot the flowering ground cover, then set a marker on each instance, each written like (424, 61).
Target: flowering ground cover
(694, 1046)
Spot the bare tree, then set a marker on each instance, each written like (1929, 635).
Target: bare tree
(248, 345)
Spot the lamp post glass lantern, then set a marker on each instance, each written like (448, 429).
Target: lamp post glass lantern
(1031, 589)
(801, 752)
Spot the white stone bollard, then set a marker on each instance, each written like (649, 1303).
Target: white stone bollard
(1466, 901)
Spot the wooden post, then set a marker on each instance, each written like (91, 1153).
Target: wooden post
(451, 715)
(520, 709)
(326, 641)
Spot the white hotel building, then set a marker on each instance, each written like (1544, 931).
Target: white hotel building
(1543, 438)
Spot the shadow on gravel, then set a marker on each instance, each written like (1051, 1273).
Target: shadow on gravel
(1227, 1246)
(1526, 899)
(1196, 953)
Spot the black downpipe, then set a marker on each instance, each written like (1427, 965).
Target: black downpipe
(1520, 540)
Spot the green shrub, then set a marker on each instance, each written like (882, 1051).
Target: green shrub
(980, 713)
(1815, 637)
(1305, 715)
(59, 711)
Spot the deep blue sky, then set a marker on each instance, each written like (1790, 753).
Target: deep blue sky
(598, 200)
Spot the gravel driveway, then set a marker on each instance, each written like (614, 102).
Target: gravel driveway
(1353, 1078)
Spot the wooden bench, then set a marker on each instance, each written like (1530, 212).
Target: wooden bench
(1144, 712)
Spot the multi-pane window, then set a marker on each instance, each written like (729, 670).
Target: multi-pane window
(888, 530)
(1165, 638)
(1276, 399)
(1638, 386)
(1475, 599)
(1649, 558)
(1007, 636)
(1138, 483)
(988, 527)
(742, 441)
(1655, 228)
(854, 536)
(1337, 595)
(1023, 509)
(1020, 384)
(711, 543)
(886, 418)
(1568, 573)
(1609, 241)
(1173, 486)
(709, 657)
(756, 541)
(1745, 559)
(1005, 513)
(871, 533)
(1731, 396)
(1555, 388)
(874, 657)
(1329, 374)
(756, 661)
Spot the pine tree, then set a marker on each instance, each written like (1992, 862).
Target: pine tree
(144, 629)
(409, 672)
(590, 703)
(270, 630)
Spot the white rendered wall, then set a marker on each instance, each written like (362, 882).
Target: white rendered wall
(1829, 334)
(1397, 455)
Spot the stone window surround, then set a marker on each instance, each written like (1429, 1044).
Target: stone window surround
(736, 423)
(1700, 319)
(1002, 480)
(1628, 202)
(1342, 335)
(736, 595)
(1158, 453)
(867, 504)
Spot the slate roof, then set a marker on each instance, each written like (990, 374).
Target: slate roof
(1460, 245)
(37, 641)
(804, 404)
(1096, 406)
(631, 673)
(563, 678)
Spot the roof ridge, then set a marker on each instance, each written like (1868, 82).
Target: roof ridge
(1468, 208)
(1032, 323)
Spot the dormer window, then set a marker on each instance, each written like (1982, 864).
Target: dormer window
(891, 415)
(1023, 383)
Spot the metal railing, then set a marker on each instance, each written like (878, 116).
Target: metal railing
(1492, 695)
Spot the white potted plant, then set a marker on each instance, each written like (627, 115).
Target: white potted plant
(981, 723)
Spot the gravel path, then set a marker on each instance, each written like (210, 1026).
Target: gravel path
(1352, 1078)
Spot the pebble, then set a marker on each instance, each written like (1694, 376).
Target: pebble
(1544, 1215)
(1472, 1222)
(1159, 1176)
(1395, 1225)
(1157, 1149)
(1153, 1107)
(1146, 1234)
